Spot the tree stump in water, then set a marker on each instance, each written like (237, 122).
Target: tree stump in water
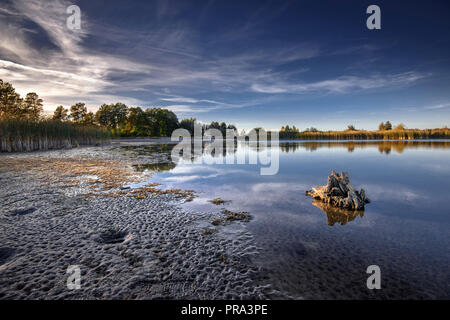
(340, 193)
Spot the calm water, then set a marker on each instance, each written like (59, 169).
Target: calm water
(313, 252)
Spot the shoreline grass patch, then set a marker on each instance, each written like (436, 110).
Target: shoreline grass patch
(18, 135)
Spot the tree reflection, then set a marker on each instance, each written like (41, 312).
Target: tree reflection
(384, 146)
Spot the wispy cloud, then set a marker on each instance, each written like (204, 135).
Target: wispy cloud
(191, 100)
(186, 109)
(438, 106)
(69, 71)
(342, 84)
(166, 60)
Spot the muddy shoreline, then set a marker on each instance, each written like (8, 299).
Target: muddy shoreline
(70, 207)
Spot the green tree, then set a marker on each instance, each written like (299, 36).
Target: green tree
(388, 126)
(112, 116)
(137, 123)
(188, 124)
(102, 116)
(61, 114)
(10, 101)
(77, 112)
(232, 127)
(214, 125)
(163, 121)
(223, 128)
(88, 119)
(351, 127)
(32, 106)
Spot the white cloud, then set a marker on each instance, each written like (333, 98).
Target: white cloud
(65, 75)
(438, 106)
(391, 192)
(180, 99)
(68, 71)
(343, 84)
(182, 108)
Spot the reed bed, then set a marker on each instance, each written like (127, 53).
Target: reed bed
(18, 135)
(406, 134)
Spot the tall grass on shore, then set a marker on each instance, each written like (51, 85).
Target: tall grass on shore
(404, 134)
(18, 135)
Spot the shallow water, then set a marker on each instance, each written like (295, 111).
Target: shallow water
(309, 252)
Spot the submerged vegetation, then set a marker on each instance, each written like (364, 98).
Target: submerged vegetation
(230, 216)
(219, 201)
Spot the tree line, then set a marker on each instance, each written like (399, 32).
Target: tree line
(121, 120)
(190, 123)
(117, 118)
(385, 131)
(126, 121)
(13, 106)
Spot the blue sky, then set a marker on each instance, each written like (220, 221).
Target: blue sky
(252, 63)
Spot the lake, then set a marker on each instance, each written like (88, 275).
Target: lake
(314, 252)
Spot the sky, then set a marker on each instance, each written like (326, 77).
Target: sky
(251, 63)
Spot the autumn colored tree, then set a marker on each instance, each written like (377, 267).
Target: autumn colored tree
(400, 126)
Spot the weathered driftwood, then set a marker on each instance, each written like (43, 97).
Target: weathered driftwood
(340, 193)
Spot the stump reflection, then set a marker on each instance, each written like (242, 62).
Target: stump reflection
(339, 215)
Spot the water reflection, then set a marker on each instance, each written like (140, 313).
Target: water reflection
(337, 215)
(384, 146)
(405, 230)
(231, 148)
